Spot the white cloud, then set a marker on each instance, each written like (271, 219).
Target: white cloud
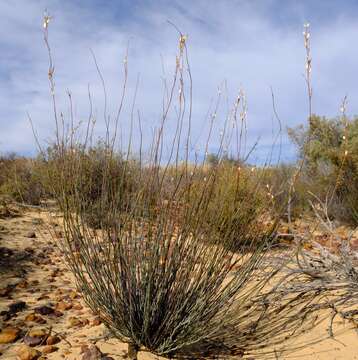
(241, 42)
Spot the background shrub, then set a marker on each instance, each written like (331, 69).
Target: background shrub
(20, 179)
(331, 163)
(238, 206)
(100, 173)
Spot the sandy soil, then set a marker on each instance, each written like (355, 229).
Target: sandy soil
(32, 271)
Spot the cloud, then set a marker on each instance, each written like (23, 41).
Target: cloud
(252, 45)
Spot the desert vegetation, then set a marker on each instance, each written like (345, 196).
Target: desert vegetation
(181, 254)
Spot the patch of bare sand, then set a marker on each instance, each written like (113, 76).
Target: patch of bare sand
(55, 318)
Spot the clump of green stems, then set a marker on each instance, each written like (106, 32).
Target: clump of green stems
(155, 270)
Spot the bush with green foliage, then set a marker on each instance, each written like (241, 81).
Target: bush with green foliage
(292, 195)
(329, 148)
(239, 206)
(96, 167)
(20, 179)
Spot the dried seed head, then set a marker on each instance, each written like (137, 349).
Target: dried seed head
(182, 41)
(46, 20)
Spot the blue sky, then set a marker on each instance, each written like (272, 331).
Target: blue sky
(252, 45)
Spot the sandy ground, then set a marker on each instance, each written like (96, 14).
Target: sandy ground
(32, 271)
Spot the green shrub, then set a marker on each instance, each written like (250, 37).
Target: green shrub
(238, 207)
(278, 180)
(329, 148)
(92, 169)
(20, 179)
